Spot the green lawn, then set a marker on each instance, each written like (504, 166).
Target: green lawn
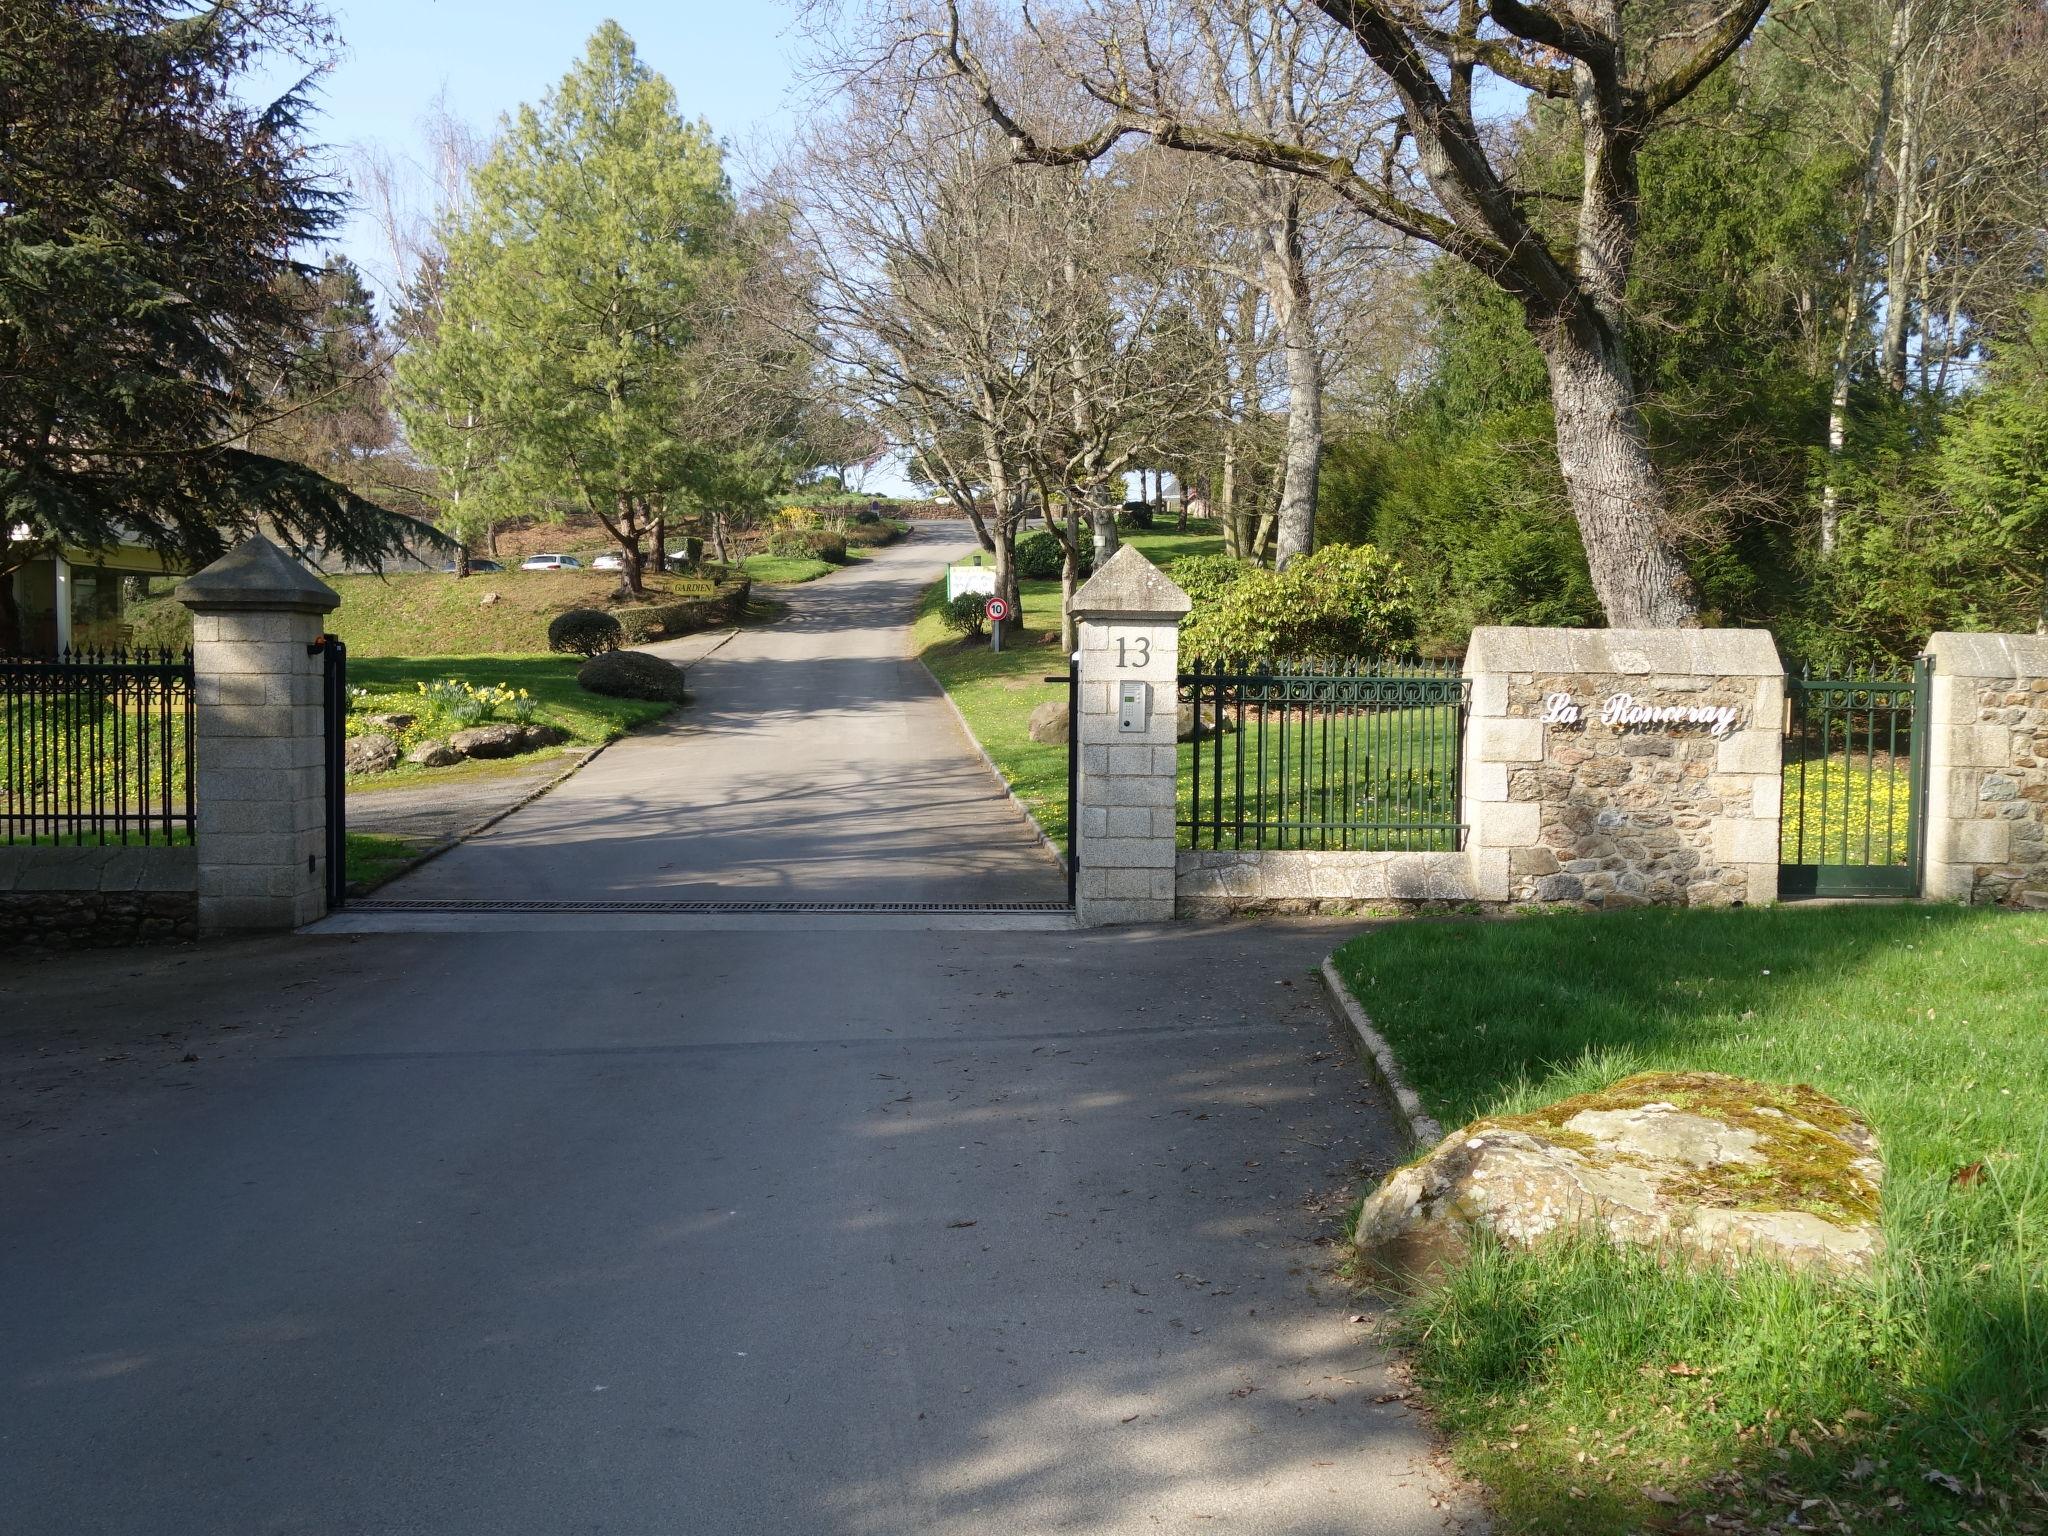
(1574, 1380)
(1324, 777)
(373, 859)
(997, 693)
(787, 570)
(77, 751)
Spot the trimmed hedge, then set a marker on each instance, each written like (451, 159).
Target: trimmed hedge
(874, 535)
(633, 675)
(586, 631)
(642, 622)
(826, 544)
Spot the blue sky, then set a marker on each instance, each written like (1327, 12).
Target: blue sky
(731, 63)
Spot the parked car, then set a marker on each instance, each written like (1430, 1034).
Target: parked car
(551, 563)
(608, 563)
(476, 567)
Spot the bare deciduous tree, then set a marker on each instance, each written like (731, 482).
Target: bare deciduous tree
(1434, 171)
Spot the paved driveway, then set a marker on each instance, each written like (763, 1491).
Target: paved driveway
(485, 1224)
(817, 761)
(864, 1229)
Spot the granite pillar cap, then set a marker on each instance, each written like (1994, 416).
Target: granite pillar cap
(1990, 656)
(256, 576)
(1127, 586)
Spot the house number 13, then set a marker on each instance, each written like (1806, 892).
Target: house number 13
(1143, 645)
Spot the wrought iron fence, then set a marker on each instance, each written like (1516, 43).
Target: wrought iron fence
(1341, 756)
(1853, 793)
(96, 747)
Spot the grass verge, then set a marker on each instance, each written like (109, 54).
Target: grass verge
(1601, 1392)
(373, 858)
(786, 570)
(996, 693)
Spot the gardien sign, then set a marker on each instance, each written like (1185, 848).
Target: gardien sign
(1622, 710)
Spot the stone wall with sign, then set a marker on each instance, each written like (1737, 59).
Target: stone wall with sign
(1986, 741)
(1624, 767)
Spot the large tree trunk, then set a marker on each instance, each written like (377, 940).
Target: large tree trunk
(1102, 517)
(1850, 345)
(1287, 289)
(1902, 250)
(1226, 498)
(1007, 501)
(1615, 492)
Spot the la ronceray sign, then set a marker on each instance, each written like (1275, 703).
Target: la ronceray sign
(1624, 710)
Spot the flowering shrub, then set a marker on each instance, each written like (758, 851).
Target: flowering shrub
(1344, 600)
(464, 704)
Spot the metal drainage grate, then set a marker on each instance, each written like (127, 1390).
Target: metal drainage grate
(373, 905)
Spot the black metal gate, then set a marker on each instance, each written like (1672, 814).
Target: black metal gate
(1855, 783)
(334, 703)
(1073, 682)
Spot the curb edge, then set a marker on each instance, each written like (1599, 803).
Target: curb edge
(1420, 1126)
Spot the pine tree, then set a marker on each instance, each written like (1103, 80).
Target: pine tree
(149, 289)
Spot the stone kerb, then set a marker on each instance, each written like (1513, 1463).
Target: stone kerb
(259, 731)
(1129, 617)
(1987, 770)
(1624, 767)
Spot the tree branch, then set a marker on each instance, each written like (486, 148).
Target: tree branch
(1726, 35)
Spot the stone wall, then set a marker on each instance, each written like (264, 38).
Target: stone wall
(68, 898)
(1211, 882)
(1624, 767)
(1987, 770)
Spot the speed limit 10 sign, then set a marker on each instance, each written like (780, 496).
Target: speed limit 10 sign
(998, 610)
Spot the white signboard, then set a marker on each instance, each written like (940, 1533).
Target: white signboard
(1622, 711)
(980, 580)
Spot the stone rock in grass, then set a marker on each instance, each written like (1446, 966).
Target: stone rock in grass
(433, 754)
(393, 723)
(538, 736)
(373, 753)
(1716, 1168)
(1049, 722)
(490, 741)
(1187, 728)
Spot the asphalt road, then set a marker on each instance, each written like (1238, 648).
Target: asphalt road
(858, 1230)
(840, 1226)
(816, 761)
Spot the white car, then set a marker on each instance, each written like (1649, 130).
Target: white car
(608, 563)
(551, 563)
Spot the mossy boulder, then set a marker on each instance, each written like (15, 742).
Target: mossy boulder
(1712, 1167)
(633, 675)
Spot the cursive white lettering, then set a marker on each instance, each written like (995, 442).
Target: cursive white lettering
(1623, 711)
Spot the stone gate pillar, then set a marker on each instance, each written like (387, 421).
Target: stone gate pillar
(1986, 741)
(1129, 619)
(260, 732)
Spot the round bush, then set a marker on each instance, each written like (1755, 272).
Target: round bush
(867, 515)
(966, 615)
(585, 631)
(632, 675)
(1136, 514)
(1039, 556)
(810, 544)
